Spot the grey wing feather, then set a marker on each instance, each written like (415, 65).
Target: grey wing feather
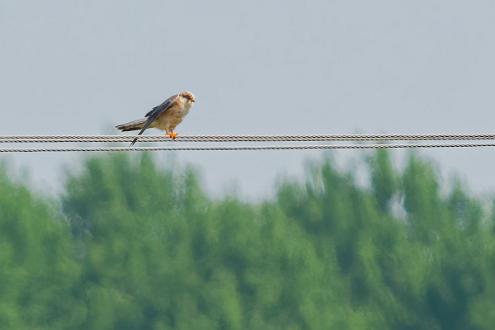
(161, 107)
(154, 113)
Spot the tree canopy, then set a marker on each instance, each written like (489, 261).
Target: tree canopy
(130, 245)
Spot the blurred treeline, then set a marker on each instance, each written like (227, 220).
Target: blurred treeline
(129, 245)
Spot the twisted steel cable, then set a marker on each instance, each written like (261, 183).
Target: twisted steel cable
(247, 148)
(244, 138)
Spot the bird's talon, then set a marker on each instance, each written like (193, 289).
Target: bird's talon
(172, 135)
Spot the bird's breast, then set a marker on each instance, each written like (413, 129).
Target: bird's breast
(170, 118)
(186, 109)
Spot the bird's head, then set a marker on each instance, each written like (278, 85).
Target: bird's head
(188, 96)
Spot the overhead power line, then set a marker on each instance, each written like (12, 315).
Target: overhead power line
(247, 148)
(231, 142)
(243, 138)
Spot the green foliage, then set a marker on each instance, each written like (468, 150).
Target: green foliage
(38, 272)
(139, 247)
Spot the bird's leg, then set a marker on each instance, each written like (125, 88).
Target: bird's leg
(172, 135)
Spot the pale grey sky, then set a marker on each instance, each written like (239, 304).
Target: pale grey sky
(256, 67)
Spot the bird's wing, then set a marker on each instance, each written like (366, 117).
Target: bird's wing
(159, 109)
(155, 112)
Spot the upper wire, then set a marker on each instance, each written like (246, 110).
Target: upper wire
(243, 138)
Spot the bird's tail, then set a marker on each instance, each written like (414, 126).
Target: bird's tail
(132, 125)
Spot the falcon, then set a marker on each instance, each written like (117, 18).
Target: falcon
(165, 116)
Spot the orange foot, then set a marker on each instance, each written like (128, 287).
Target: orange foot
(172, 135)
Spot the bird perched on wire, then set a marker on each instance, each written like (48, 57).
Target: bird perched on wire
(165, 116)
